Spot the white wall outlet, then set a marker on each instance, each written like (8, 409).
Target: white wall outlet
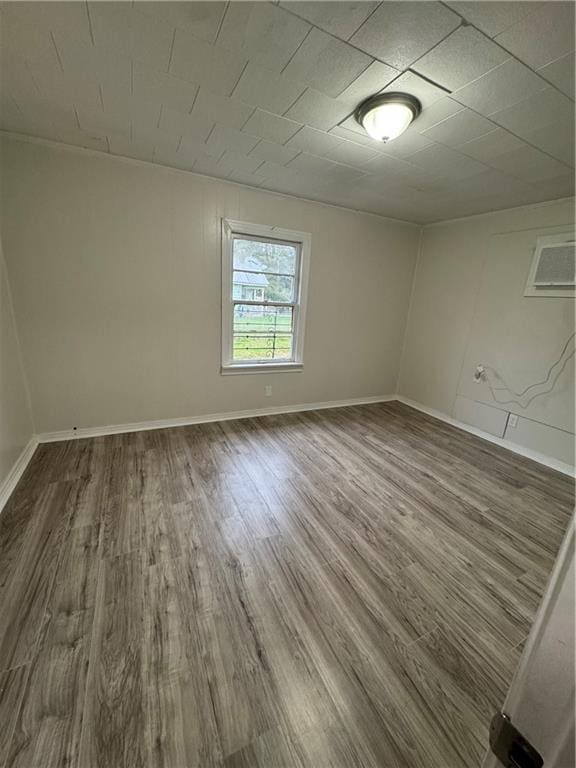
(268, 390)
(512, 420)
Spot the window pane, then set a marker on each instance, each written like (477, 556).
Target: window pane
(257, 256)
(257, 286)
(262, 333)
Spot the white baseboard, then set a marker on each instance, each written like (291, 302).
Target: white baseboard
(115, 429)
(541, 458)
(17, 471)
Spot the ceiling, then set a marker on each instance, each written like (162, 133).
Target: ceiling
(264, 94)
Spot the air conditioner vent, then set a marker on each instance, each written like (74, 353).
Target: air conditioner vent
(553, 270)
(556, 265)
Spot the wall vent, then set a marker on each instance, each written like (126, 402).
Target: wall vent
(553, 269)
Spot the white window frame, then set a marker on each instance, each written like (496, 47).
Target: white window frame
(230, 229)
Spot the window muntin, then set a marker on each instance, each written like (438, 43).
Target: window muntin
(262, 297)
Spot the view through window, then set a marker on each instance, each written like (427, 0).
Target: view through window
(264, 294)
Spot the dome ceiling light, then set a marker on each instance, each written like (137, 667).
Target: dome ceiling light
(387, 115)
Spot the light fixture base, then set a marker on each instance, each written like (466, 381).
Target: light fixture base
(389, 98)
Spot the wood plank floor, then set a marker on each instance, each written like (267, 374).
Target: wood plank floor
(342, 588)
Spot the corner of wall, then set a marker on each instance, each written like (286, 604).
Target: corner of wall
(21, 365)
(18, 441)
(409, 308)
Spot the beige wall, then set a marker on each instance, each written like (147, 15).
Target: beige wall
(468, 307)
(115, 271)
(15, 418)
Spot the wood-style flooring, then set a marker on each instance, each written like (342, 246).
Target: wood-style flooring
(348, 587)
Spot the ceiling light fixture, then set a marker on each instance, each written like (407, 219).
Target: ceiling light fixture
(387, 115)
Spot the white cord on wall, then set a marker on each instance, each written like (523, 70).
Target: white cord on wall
(483, 372)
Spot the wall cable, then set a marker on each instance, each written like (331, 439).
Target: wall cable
(562, 361)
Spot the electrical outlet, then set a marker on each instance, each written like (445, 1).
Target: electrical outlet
(268, 390)
(512, 420)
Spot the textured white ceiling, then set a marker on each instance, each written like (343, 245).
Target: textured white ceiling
(264, 94)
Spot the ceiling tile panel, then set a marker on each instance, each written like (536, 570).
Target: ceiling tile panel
(344, 174)
(354, 131)
(395, 170)
(220, 109)
(551, 189)
(192, 149)
(529, 164)
(73, 136)
(265, 125)
(352, 154)
(341, 19)
(289, 180)
(393, 167)
(223, 138)
(205, 64)
(484, 183)
(177, 123)
(542, 36)
(143, 116)
(234, 161)
(201, 19)
(313, 141)
(264, 33)
(350, 131)
(502, 87)
(446, 162)
(407, 144)
(561, 73)
(548, 107)
(327, 64)
(118, 27)
(279, 172)
(398, 33)
(494, 17)
(374, 78)
(164, 145)
(325, 168)
(162, 88)
(464, 56)
(313, 164)
(28, 26)
(265, 89)
(11, 119)
(461, 127)
(274, 153)
(126, 148)
(439, 111)
(556, 140)
(249, 179)
(103, 124)
(411, 82)
(47, 113)
(317, 110)
(209, 167)
(491, 145)
(9, 112)
(112, 70)
(380, 187)
(16, 79)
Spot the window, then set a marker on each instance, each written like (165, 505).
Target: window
(264, 280)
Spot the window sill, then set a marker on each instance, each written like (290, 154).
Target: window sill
(230, 370)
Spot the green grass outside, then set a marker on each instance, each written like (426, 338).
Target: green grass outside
(254, 337)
